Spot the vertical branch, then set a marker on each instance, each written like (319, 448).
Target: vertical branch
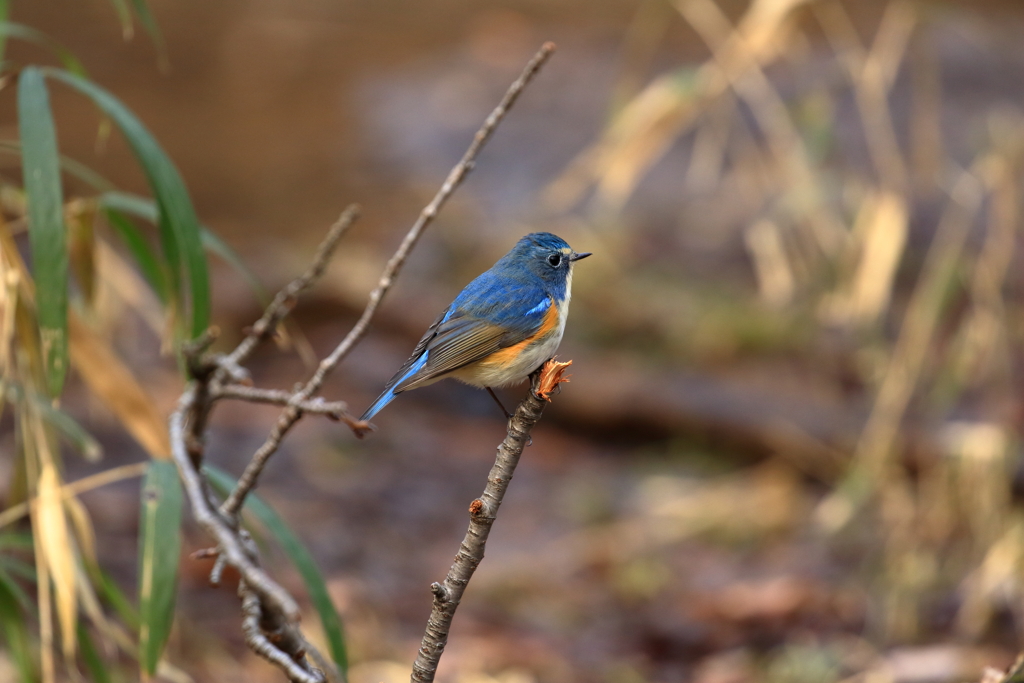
(482, 513)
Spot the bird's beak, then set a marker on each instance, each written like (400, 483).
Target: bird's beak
(577, 257)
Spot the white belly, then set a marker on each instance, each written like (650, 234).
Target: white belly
(482, 375)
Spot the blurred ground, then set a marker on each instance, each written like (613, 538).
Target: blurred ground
(662, 526)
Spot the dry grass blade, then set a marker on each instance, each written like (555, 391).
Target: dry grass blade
(50, 524)
(739, 56)
(872, 74)
(984, 588)
(44, 599)
(80, 218)
(85, 536)
(985, 340)
(878, 240)
(927, 148)
(9, 277)
(874, 449)
(775, 281)
(116, 386)
(119, 278)
(16, 512)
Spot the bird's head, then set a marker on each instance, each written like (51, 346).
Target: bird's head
(546, 256)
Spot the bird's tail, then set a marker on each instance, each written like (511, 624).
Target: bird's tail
(387, 397)
(390, 390)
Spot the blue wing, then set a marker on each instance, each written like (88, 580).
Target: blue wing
(491, 313)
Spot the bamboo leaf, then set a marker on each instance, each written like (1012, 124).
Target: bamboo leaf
(159, 548)
(124, 17)
(179, 228)
(144, 208)
(300, 557)
(9, 29)
(75, 433)
(149, 23)
(12, 566)
(72, 167)
(16, 634)
(216, 245)
(115, 597)
(90, 655)
(131, 204)
(47, 234)
(18, 541)
(5, 11)
(8, 570)
(141, 251)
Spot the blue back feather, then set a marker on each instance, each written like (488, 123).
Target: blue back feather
(514, 295)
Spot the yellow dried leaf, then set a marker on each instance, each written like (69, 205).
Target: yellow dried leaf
(82, 525)
(58, 552)
(80, 217)
(117, 387)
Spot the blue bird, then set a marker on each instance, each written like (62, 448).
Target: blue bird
(504, 325)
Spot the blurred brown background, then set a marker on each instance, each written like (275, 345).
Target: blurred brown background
(789, 451)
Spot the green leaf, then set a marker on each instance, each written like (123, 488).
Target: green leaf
(13, 567)
(147, 260)
(9, 29)
(115, 597)
(124, 17)
(131, 204)
(5, 11)
(16, 540)
(179, 228)
(159, 548)
(75, 433)
(8, 583)
(300, 557)
(70, 166)
(145, 209)
(216, 245)
(47, 235)
(149, 23)
(93, 662)
(16, 635)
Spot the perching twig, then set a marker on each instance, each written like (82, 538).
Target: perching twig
(291, 414)
(482, 513)
(270, 614)
(336, 410)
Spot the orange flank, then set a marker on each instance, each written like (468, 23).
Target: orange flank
(508, 355)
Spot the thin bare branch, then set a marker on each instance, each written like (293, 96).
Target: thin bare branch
(254, 628)
(482, 513)
(285, 300)
(336, 410)
(229, 543)
(455, 177)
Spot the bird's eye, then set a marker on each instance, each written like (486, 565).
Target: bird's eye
(554, 260)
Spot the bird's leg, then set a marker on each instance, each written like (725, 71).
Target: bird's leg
(508, 415)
